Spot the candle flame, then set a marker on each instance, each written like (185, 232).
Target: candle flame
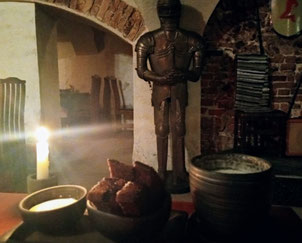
(42, 134)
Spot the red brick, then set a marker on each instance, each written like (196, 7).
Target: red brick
(275, 92)
(216, 112)
(284, 106)
(288, 67)
(63, 2)
(277, 58)
(207, 123)
(213, 68)
(290, 78)
(203, 110)
(276, 106)
(275, 67)
(209, 90)
(288, 85)
(205, 83)
(278, 78)
(299, 60)
(281, 99)
(298, 76)
(290, 59)
(299, 98)
(283, 91)
(207, 75)
(216, 59)
(207, 102)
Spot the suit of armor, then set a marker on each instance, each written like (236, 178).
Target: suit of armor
(175, 57)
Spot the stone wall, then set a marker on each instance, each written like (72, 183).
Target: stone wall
(19, 55)
(231, 30)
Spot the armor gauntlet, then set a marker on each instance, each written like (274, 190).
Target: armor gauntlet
(198, 50)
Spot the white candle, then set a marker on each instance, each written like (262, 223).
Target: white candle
(42, 153)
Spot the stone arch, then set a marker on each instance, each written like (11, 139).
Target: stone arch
(116, 16)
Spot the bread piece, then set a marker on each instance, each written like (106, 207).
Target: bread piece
(103, 194)
(145, 175)
(132, 199)
(120, 170)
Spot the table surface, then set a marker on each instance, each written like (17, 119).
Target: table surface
(10, 217)
(9, 214)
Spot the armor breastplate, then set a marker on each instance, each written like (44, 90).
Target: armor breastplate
(170, 55)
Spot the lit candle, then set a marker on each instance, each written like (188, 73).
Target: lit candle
(42, 135)
(52, 204)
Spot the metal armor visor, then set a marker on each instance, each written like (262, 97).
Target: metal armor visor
(168, 8)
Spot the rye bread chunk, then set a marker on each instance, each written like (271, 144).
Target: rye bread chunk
(146, 175)
(103, 194)
(132, 199)
(120, 170)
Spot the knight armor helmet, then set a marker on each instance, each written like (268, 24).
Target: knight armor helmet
(168, 8)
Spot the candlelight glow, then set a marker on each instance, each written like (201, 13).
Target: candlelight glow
(52, 204)
(42, 134)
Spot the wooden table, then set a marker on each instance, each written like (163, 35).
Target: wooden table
(284, 217)
(9, 214)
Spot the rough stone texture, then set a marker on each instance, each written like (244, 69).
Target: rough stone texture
(73, 4)
(81, 5)
(102, 9)
(62, 2)
(235, 33)
(95, 7)
(110, 12)
(124, 18)
(115, 13)
(118, 14)
(133, 25)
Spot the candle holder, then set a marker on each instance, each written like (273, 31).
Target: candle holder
(34, 185)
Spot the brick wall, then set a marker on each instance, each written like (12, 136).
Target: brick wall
(114, 13)
(232, 29)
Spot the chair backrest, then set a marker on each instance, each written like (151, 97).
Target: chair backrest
(12, 103)
(12, 142)
(95, 97)
(119, 112)
(116, 94)
(106, 99)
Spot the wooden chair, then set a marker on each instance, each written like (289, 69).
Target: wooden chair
(258, 128)
(95, 98)
(263, 132)
(12, 144)
(77, 106)
(100, 94)
(106, 101)
(260, 132)
(121, 116)
(109, 94)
